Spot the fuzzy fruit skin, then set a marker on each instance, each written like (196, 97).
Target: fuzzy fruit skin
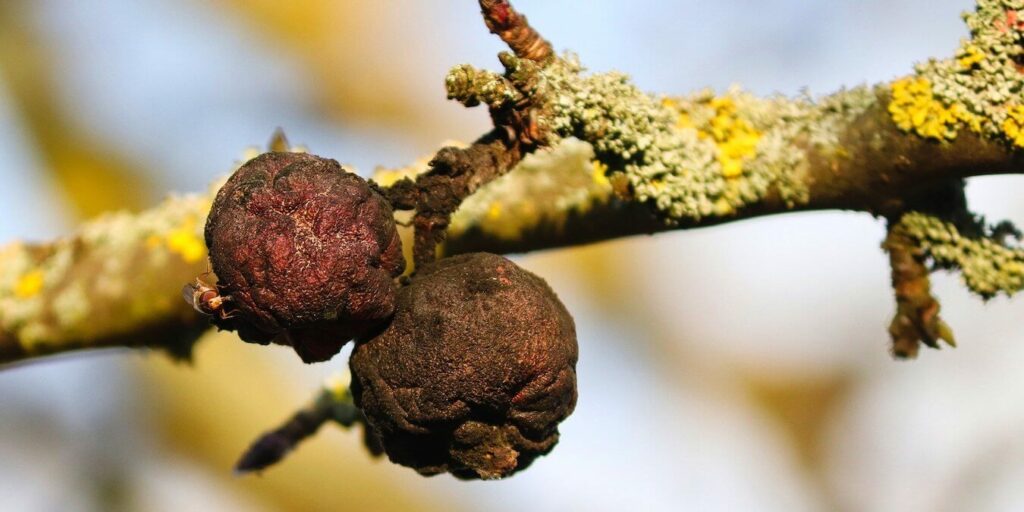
(305, 250)
(474, 372)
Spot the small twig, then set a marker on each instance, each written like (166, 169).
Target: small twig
(514, 101)
(515, 31)
(455, 174)
(333, 402)
(917, 311)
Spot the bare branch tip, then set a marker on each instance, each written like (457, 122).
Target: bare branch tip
(511, 26)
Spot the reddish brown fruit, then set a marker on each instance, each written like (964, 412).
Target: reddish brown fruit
(305, 253)
(474, 372)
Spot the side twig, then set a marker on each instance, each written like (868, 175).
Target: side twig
(333, 402)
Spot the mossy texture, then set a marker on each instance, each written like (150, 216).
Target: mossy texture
(980, 88)
(103, 281)
(703, 155)
(988, 263)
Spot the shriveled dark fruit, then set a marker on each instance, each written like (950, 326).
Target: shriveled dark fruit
(474, 372)
(305, 253)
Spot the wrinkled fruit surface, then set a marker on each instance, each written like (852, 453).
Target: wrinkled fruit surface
(305, 251)
(474, 372)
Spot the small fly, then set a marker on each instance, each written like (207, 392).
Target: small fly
(205, 299)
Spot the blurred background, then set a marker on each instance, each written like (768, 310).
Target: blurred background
(743, 367)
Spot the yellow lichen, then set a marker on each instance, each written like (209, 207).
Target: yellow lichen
(735, 139)
(914, 108)
(494, 211)
(968, 56)
(29, 285)
(388, 177)
(683, 120)
(600, 173)
(185, 241)
(337, 384)
(722, 207)
(1013, 127)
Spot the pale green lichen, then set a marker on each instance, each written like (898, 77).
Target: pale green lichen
(702, 155)
(71, 306)
(471, 86)
(545, 188)
(106, 278)
(988, 264)
(979, 87)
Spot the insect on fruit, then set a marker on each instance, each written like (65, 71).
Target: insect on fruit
(205, 299)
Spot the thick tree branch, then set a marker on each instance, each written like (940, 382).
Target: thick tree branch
(878, 171)
(110, 284)
(607, 161)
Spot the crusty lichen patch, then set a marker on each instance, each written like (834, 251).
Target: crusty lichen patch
(980, 87)
(103, 279)
(1013, 126)
(545, 188)
(914, 108)
(702, 155)
(988, 264)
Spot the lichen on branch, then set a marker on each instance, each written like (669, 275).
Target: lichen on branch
(112, 283)
(703, 158)
(701, 155)
(979, 89)
(608, 160)
(988, 263)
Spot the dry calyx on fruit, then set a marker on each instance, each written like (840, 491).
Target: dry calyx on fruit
(305, 254)
(474, 372)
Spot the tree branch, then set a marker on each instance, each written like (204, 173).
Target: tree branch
(879, 169)
(110, 284)
(333, 402)
(607, 161)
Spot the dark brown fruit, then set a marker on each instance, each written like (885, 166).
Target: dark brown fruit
(474, 372)
(305, 253)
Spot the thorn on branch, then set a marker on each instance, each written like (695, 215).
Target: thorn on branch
(515, 31)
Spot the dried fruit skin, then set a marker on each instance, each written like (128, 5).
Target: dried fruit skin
(305, 250)
(474, 372)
